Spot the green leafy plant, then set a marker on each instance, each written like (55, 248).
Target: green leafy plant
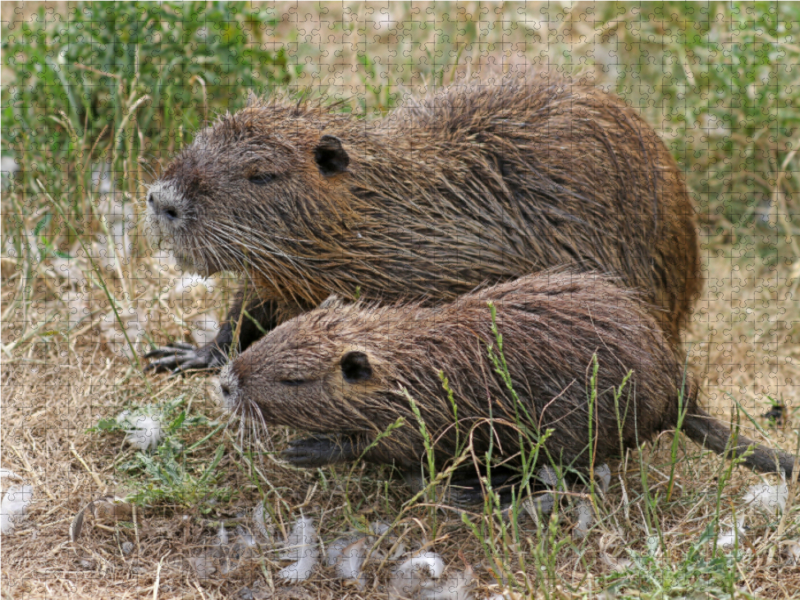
(695, 575)
(86, 65)
(175, 472)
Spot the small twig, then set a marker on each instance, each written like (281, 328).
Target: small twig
(158, 575)
(744, 577)
(94, 475)
(51, 523)
(135, 514)
(169, 387)
(30, 470)
(199, 589)
(392, 550)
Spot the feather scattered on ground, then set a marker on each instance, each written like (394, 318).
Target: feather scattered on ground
(10, 474)
(348, 566)
(585, 513)
(456, 587)
(728, 538)
(336, 549)
(222, 535)
(12, 508)
(603, 476)
(302, 547)
(770, 498)
(143, 428)
(265, 528)
(544, 502)
(415, 574)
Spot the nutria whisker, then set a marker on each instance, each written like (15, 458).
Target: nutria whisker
(268, 247)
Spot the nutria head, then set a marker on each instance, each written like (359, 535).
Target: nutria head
(225, 200)
(317, 370)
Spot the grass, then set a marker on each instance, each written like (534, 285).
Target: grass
(98, 97)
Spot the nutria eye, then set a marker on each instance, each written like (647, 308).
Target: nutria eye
(293, 382)
(261, 178)
(356, 367)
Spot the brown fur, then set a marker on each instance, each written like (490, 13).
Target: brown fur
(552, 324)
(475, 185)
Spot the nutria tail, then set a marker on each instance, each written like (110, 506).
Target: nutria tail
(714, 435)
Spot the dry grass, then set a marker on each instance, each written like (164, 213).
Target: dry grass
(66, 366)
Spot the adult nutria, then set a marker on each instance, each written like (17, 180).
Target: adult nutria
(339, 372)
(474, 185)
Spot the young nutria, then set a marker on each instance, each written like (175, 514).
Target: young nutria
(475, 185)
(339, 371)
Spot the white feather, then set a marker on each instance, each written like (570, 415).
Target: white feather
(771, 498)
(244, 537)
(302, 547)
(336, 549)
(350, 562)
(144, 430)
(727, 539)
(413, 574)
(13, 505)
(379, 528)
(222, 535)
(603, 475)
(455, 588)
(9, 473)
(260, 520)
(585, 518)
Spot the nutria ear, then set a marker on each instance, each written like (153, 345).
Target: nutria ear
(330, 156)
(356, 367)
(252, 99)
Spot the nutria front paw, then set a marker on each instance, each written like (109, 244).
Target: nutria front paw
(178, 357)
(318, 451)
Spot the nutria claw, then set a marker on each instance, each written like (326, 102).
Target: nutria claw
(178, 357)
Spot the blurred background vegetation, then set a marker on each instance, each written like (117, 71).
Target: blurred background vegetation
(132, 82)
